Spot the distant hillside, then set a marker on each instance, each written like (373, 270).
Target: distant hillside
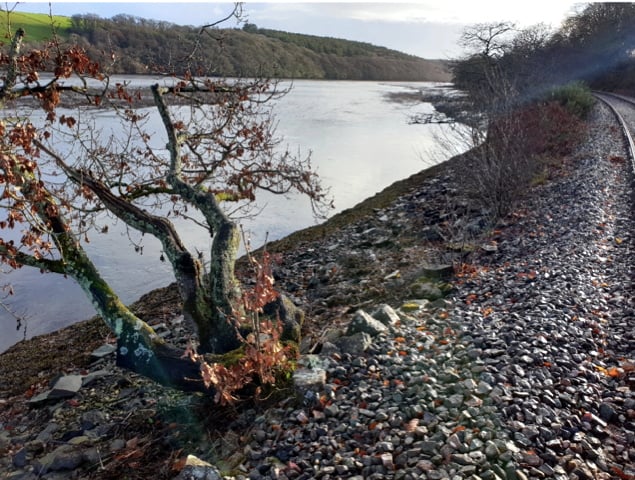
(141, 46)
(37, 25)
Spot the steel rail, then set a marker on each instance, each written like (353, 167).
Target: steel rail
(627, 134)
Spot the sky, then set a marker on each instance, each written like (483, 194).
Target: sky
(428, 29)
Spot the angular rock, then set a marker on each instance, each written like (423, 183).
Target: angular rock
(66, 386)
(438, 272)
(364, 323)
(197, 469)
(310, 377)
(386, 315)
(103, 351)
(426, 290)
(292, 317)
(65, 457)
(355, 344)
(92, 376)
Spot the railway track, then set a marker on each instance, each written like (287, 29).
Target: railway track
(624, 109)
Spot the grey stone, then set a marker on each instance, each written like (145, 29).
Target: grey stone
(354, 344)
(117, 444)
(329, 348)
(92, 418)
(92, 376)
(483, 388)
(292, 317)
(431, 234)
(362, 322)
(386, 315)
(438, 272)
(65, 387)
(426, 290)
(103, 351)
(454, 401)
(65, 457)
(462, 459)
(428, 447)
(47, 434)
(607, 412)
(308, 380)
(19, 458)
(331, 410)
(491, 450)
(196, 469)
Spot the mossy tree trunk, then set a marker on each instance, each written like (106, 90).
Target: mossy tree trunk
(139, 348)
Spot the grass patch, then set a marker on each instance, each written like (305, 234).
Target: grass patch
(37, 26)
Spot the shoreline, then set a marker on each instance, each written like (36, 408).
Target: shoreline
(379, 200)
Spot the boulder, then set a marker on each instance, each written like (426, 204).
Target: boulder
(310, 376)
(292, 317)
(437, 272)
(426, 290)
(364, 323)
(355, 344)
(386, 315)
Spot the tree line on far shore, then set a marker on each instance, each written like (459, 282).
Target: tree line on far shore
(132, 45)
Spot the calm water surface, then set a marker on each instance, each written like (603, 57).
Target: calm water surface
(360, 143)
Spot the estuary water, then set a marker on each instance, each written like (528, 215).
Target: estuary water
(360, 142)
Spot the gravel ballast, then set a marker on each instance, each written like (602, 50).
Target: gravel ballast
(527, 373)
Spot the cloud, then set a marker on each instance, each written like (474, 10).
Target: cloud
(462, 12)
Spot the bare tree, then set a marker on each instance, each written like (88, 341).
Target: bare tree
(487, 39)
(497, 167)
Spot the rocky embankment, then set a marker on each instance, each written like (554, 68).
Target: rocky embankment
(519, 366)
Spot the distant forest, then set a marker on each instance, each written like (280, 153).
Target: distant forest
(132, 45)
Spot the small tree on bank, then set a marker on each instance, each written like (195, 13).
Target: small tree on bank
(514, 119)
(59, 173)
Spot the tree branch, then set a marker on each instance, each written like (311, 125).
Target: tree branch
(21, 258)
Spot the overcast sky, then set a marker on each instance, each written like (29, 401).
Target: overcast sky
(428, 29)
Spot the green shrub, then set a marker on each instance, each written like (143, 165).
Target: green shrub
(575, 97)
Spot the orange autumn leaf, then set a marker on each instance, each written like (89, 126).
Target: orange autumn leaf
(470, 298)
(621, 474)
(627, 366)
(400, 340)
(179, 464)
(487, 311)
